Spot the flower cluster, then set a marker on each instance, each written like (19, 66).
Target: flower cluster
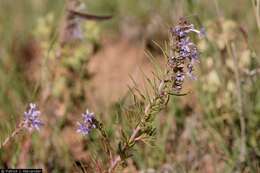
(185, 53)
(89, 123)
(31, 118)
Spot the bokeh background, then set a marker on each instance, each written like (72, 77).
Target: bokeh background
(199, 132)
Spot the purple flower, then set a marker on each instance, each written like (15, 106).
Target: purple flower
(189, 72)
(88, 123)
(88, 117)
(185, 53)
(185, 44)
(31, 118)
(180, 77)
(194, 56)
(83, 129)
(178, 31)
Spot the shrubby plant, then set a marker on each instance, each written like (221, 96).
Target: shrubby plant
(180, 62)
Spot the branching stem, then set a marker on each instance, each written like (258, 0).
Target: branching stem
(133, 138)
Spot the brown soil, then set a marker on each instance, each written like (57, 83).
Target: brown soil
(113, 68)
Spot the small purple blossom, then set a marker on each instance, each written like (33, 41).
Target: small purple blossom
(83, 129)
(31, 118)
(185, 53)
(180, 77)
(88, 123)
(88, 117)
(189, 72)
(178, 31)
(185, 45)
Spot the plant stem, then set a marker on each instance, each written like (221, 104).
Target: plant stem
(256, 6)
(240, 106)
(136, 130)
(107, 142)
(14, 133)
(118, 159)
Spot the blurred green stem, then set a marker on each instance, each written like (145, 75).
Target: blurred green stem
(242, 155)
(17, 130)
(217, 8)
(256, 7)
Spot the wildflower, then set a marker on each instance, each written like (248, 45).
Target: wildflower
(88, 123)
(31, 118)
(185, 53)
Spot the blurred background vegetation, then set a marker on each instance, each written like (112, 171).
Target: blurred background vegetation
(199, 132)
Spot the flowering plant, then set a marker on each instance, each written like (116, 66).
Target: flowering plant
(183, 52)
(30, 122)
